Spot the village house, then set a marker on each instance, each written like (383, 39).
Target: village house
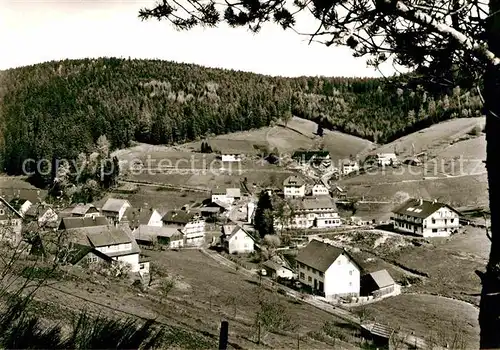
(339, 193)
(318, 212)
(69, 223)
(426, 218)
(319, 190)
(329, 271)
(151, 236)
(11, 222)
(114, 209)
(349, 166)
(276, 270)
(236, 240)
(85, 210)
(294, 187)
(148, 217)
(232, 157)
(385, 159)
(191, 224)
(116, 242)
(227, 196)
(43, 214)
(378, 284)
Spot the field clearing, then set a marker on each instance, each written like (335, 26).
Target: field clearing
(473, 242)
(385, 175)
(158, 198)
(439, 318)
(203, 279)
(459, 191)
(436, 137)
(471, 151)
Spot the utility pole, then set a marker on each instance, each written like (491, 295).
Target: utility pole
(258, 333)
(224, 326)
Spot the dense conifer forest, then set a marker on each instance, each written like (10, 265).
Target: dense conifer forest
(59, 109)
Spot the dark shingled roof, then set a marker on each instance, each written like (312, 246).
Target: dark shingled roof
(78, 222)
(321, 256)
(102, 236)
(293, 181)
(422, 210)
(178, 217)
(308, 155)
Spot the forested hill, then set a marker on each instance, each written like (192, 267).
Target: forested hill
(61, 108)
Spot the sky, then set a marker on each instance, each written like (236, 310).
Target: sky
(34, 31)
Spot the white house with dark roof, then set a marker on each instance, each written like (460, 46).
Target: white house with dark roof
(43, 214)
(116, 242)
(328, 270)
(277, 270)
(318, 212)
(426, 218)
(22, 205)
(349, 166)
(294, 187)
(114, 209)
(236, 240)
(148, 217)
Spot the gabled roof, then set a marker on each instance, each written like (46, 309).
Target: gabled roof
(218, 191)
(178, 217)
(82, 209)
(148, 233)
(37, 210)
(105, 235)
(420, 209)
(231, 230)
(275, 266)
(114, 205)
(79, 251)
(320, 202)
(382, 278)
(293, 180)
(321, 256)
(143, 216)
(221, 204)
(78, 222)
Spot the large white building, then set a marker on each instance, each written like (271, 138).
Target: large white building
(426, 218)
(190, 224)
(227, 195)
(294, 187)
(318, 212)
(349, 166)
(384, 159)
(328, 270)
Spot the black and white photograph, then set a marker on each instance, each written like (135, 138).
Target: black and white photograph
(250, 174)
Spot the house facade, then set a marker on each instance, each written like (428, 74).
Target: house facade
(327, 270)
(294, 187)
(44, 215)
(236, 240)
(276, 270)
(350, 166)
(319, 190)
(85, 210)
(114, 209)
(192, 226)
(426, 218)
(228, 195)
(312, 157)
(319, 212)
(385, 159)
(169, 237)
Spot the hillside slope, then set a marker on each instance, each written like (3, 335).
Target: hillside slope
(58, 109)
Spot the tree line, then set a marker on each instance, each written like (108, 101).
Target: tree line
(60, 108)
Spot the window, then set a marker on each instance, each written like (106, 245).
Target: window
(434, 230)
(141, 266)
(433, 220)
(309, 278)
(350, 273)
(452, 220)
(339, 262)
(302, 275)
(321, 274)
(350, 284)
